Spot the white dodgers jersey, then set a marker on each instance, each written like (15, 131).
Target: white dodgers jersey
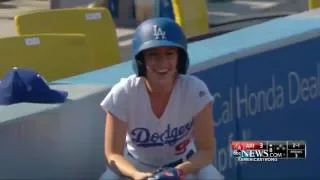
(153, 140)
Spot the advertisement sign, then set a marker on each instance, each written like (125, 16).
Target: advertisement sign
(274, 95)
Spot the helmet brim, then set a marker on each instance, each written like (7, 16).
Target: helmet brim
(158, 43)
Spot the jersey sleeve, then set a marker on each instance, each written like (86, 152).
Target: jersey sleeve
(116, 101)
(200, 95)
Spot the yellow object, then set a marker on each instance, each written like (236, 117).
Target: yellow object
(96, 23)
(314, 4)
(54, 56)
(192, 16)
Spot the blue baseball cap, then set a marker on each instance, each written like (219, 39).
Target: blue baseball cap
(25, 85)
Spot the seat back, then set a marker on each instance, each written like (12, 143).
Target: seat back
(55, 56)
(96, 23)
(195, 23)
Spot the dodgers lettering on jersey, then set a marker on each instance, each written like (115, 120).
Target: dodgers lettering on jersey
(144, 138)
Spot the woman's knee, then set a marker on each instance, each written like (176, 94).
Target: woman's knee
(109, 174)
(208, 172)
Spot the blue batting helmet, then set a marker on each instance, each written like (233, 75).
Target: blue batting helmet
(158, 32)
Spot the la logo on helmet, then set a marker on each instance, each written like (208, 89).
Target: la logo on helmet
(158, 33)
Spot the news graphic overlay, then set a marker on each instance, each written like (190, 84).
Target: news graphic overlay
(264, 151)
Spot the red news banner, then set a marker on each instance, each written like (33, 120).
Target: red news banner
(268, 150)
(246, 145)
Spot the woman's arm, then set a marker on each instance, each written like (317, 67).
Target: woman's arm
(115, 135)
(203, 131)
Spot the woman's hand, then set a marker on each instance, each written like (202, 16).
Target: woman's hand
(142, 175)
